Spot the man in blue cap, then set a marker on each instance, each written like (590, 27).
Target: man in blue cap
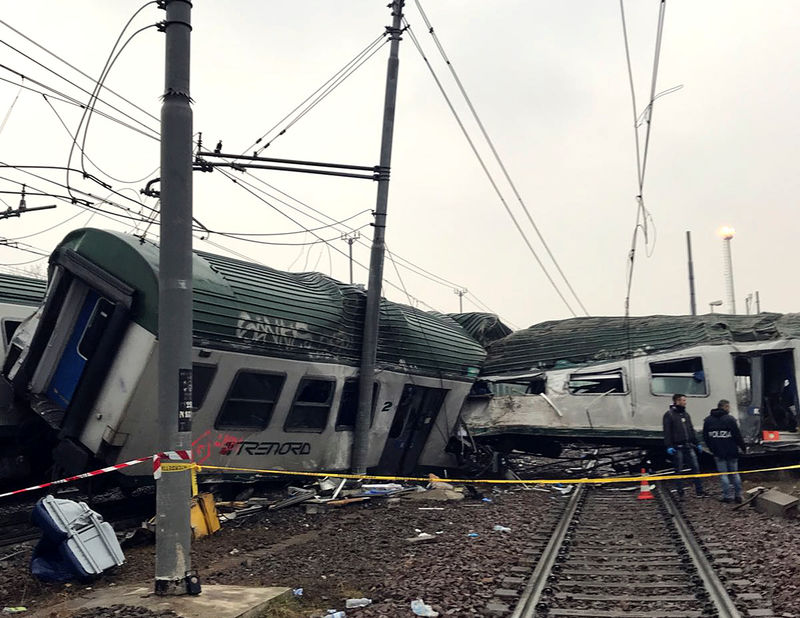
(681, 441)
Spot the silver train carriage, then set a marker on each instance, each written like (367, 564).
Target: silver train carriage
(609, 380)
(275, 365)
(19, 298)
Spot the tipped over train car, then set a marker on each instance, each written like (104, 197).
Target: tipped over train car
(609, 380)
(19, 298)
(275, 364)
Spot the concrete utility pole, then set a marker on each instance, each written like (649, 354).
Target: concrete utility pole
(174, 492)
(692, 302)
(460, 292)
(369, 347)
(350, 238)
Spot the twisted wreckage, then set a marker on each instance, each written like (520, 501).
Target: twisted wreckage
(275, 372)
(609, 380)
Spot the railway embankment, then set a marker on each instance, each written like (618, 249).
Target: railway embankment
(460, 557)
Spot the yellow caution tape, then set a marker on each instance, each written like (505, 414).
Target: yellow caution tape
(596, 481)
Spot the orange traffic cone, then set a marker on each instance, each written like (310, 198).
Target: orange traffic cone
(644, 490)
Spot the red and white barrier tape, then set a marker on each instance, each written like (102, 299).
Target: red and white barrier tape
(85, 475)
(171, 455)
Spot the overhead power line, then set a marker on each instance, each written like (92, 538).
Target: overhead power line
(497, 157)
(486, 171)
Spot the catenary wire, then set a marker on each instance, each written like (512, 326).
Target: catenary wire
(325, 88)
(488, 174)
(79, 87)
(74, 68)
(496, 155)
(65, 98)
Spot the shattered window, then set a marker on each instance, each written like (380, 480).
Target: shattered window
(684, 375)
(311, 406)
(250, 401)
(348, 407)
(601, 383)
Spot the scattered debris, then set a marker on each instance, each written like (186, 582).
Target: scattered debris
(420, 608)
(203, 516)
(422, 537)
(14, 610)
(774, 502)
(298, 592)
(473, 535)
(76, 543)
(353, 603)
(498, 528)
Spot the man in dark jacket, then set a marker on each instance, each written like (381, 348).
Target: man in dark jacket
(722, 436)
(681, 441)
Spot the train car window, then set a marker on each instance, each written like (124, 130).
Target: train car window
(348, 406)
(202, 375)
(601, 383)
(95, 328)
(251, 400)
(684, 375)
(742, 371)
(9, 327)
(312, 403)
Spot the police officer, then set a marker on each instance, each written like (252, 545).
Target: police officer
(681, 441)
(722, 436)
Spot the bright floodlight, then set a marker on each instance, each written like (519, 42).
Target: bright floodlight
(727, 232)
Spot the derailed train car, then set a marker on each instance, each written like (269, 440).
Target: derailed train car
(609, 380)
(19, 298)
(275, 364)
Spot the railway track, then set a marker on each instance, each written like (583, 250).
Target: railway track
(610, 555)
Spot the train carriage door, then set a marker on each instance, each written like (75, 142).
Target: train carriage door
(413, 420)
(86, 333)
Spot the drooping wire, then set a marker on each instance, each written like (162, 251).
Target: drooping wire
(488, 174)
(113, 57)
(81, 88)
(642, 214)
(320, 93)
(88, 158)
(74, 68)
(11, 107)
(65, 98)
(497, 157)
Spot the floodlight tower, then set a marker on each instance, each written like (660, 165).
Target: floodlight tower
(727, 235)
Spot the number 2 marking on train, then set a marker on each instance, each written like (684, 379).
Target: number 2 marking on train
(387, 405)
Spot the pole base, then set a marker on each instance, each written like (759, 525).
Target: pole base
(176, 587)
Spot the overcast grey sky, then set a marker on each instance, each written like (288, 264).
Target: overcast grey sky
(550, 83)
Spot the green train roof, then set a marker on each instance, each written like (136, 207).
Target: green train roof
(580, 341)
(485, 328)
(248, 307)
(21, 290)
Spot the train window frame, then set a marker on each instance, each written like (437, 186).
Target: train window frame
(8, 336)
(296, 403)
(90, 327)
(606, 374)
(376, 391)
(218, 421)
(685, 391)
(197, 402)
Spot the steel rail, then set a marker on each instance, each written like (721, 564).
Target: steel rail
(716, 590)
(526, 606)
